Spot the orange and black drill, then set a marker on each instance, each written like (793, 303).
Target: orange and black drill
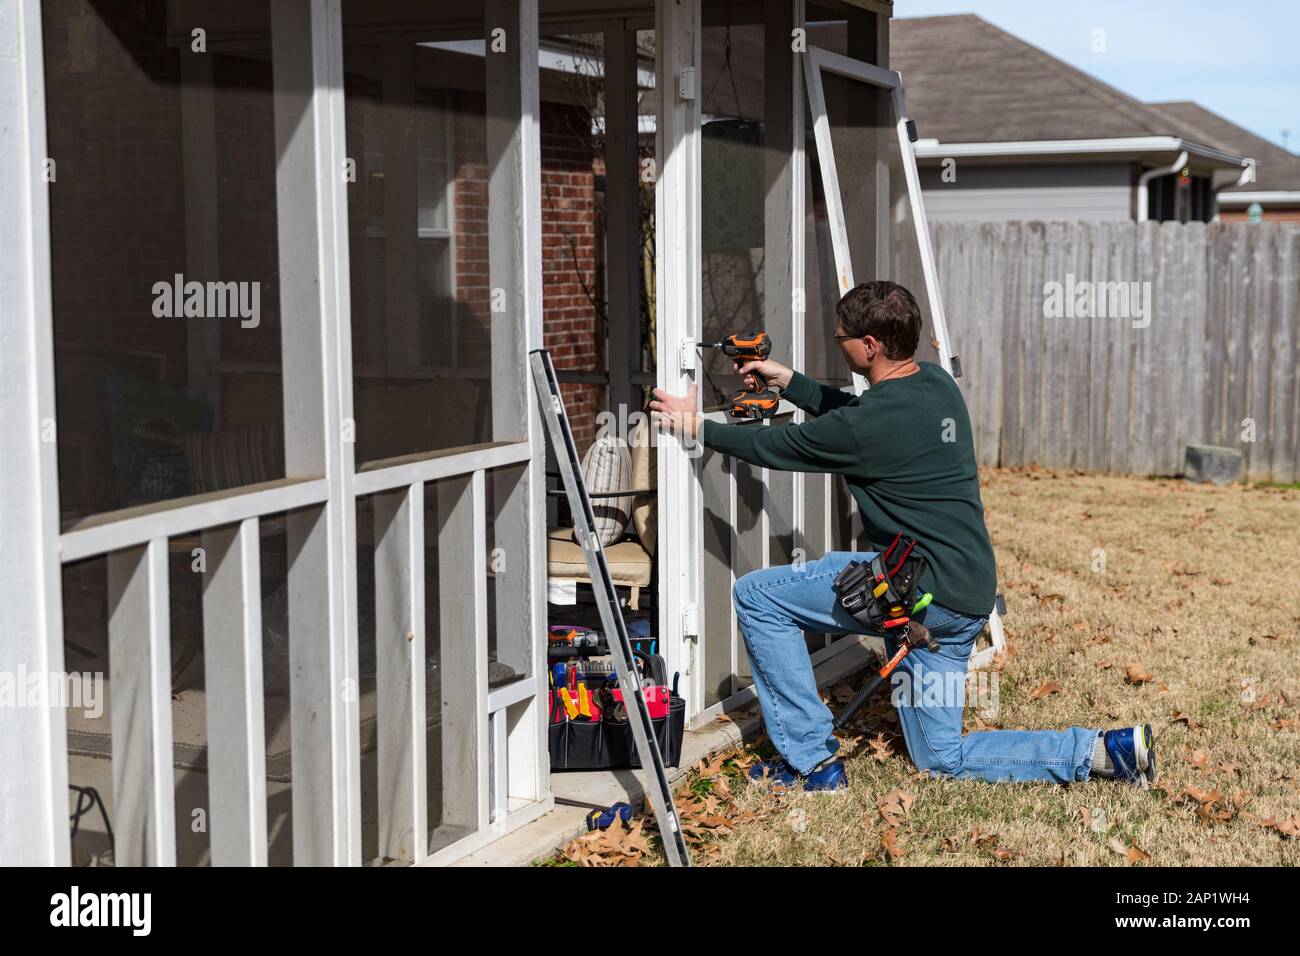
(761, 401)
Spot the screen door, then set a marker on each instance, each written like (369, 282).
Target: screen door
(874, 215)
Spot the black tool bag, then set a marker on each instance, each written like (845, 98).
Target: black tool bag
(899, 569)
(606, 742)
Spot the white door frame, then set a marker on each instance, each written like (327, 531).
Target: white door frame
(33, 739)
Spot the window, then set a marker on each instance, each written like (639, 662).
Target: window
(418, 219)
(164, 253)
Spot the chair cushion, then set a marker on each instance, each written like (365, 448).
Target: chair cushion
(645, 508)
(607, 466)
(235, 456)
(629, 565)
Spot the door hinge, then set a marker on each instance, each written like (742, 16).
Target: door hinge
(686, 83)
(690, 620)
(689, 355)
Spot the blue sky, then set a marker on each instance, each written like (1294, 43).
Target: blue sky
(1240, 59)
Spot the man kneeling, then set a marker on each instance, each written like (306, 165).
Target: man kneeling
(905, 448)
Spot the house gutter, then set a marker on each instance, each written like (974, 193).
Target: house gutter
(1283, 196)
(1150, 174)
(933, 149)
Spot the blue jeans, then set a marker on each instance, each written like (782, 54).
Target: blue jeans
(776, 605)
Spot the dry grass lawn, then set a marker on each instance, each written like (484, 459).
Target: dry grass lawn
(1129, 600)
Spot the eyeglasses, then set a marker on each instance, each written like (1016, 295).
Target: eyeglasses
(840, 338)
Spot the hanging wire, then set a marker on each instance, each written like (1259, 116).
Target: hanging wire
(727, 69)
(87, 799)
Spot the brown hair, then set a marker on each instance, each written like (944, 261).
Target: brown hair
(887, 312)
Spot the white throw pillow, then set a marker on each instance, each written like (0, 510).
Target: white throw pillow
(607, 466)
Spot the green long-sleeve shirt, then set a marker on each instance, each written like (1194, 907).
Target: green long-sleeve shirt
(906, 451)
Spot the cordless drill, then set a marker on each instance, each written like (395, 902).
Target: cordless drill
(761, 401)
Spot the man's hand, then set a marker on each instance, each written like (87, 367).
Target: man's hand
(676, 413)
(777, 375)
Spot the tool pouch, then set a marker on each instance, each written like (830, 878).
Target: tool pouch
(606, 741)
(894, 574)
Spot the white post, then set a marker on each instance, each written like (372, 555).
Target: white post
(232, 669)
(400, 667)
(311, 202)
(678, 318)
(33, 739)
(139, 653)
(515, 267)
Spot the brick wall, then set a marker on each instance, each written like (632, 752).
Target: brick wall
(571, 274)
(1270, 215)
(570, 262)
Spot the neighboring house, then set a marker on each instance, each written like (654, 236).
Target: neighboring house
(1277, 176)
(1023, 135)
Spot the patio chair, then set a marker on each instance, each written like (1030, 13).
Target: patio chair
(631, 558)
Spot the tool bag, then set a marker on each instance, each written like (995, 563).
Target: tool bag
(880, 593)
(604, 741)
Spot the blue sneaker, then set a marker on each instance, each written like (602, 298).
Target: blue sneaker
(1132, 750)
(828, 779)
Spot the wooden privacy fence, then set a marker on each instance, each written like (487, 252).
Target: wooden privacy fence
(1203, 350)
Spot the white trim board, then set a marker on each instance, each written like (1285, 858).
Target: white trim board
(934, 149)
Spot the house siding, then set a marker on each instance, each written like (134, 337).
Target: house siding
(1090, 192)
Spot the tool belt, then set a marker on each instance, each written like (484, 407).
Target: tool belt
(880, 593)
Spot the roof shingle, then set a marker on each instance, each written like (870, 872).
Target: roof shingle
(969, 82)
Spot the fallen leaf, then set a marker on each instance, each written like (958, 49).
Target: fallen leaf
(842, 693)
(1046, 689)
(1135, 673)
(889, 843)
(1289, 828)
(895, 806)
(711, 768)
(880, 748)
(1180, 718)
(1136, 855)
